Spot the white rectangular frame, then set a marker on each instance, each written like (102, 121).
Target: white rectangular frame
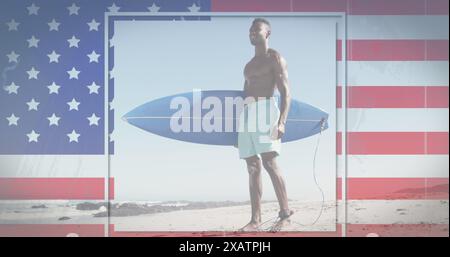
(341, 15)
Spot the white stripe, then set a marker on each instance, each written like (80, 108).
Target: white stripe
(395, 212)
(396, 73)
(395, 119)
(397, 27)
(53, 166)
(395, 166)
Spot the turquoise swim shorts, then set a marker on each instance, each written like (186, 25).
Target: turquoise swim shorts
(257, 123)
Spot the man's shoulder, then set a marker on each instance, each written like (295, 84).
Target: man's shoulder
(273, 53)
(276, 57)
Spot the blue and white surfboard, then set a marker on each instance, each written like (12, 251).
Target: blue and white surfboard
(155, 116)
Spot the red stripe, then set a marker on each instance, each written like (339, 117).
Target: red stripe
(319, 5)
(353, 7)
(397, 188)
(437, 143)
(250, 5)
(437, 7)
(395, 50)
(385, 97)
(395, 97)
(339, 50)
(387, 7)
(339, 143)
(97, 230)
(51, 230)
(386, 50)
(394, 188)
(437, 49)
(339, 96)
(114, 233)
(338, 188)
(397, 230)
(437, 97)
(54, 188)
(111, 189)
(395, 143)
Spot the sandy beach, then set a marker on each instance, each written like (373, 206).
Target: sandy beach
(230, 217)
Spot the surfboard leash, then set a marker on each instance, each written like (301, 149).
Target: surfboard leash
(277, 219)
(322, 126)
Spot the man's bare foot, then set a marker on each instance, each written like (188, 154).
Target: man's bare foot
(283, 222)
(280, 225)
(251, 227)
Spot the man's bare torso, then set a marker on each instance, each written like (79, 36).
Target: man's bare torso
(259, 75)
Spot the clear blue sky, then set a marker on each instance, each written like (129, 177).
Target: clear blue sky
(154, 59)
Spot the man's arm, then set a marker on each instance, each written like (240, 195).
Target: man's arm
(245, 85)
(282, 83)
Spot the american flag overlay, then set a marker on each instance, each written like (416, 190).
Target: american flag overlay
(52, 107)
(52, 95)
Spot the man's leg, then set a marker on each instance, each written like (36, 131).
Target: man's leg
(255, 185)
(270, 165)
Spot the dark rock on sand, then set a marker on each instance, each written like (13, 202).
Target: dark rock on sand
(41, 206)
(87, 206)
(134, 209)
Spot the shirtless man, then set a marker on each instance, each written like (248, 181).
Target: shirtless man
(265, 72)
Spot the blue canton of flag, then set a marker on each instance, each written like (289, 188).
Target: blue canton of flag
(52, 72)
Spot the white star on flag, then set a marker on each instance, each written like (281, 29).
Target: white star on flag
(32, 105)
(32, 136)
(93, 25)
(93, 88)
(53, 25)
(33, 42)
(53, 88)
(12, 120)
(73, 105)
(93, 120)
(32, 74)
(112, 41)
(153, 8)
(12, 25)
(33, 9)
(12, 57)
(111, 105)
(53, 57)
(73, 42)
(50, 46)
(73, 136)
(93, 57)
(111, 73)
(73, 73)
(73, 9)
(194, 8)
(53, 120)
(113, 8)
(12, 88)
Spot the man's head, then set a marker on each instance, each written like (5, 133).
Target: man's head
(259, 31)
